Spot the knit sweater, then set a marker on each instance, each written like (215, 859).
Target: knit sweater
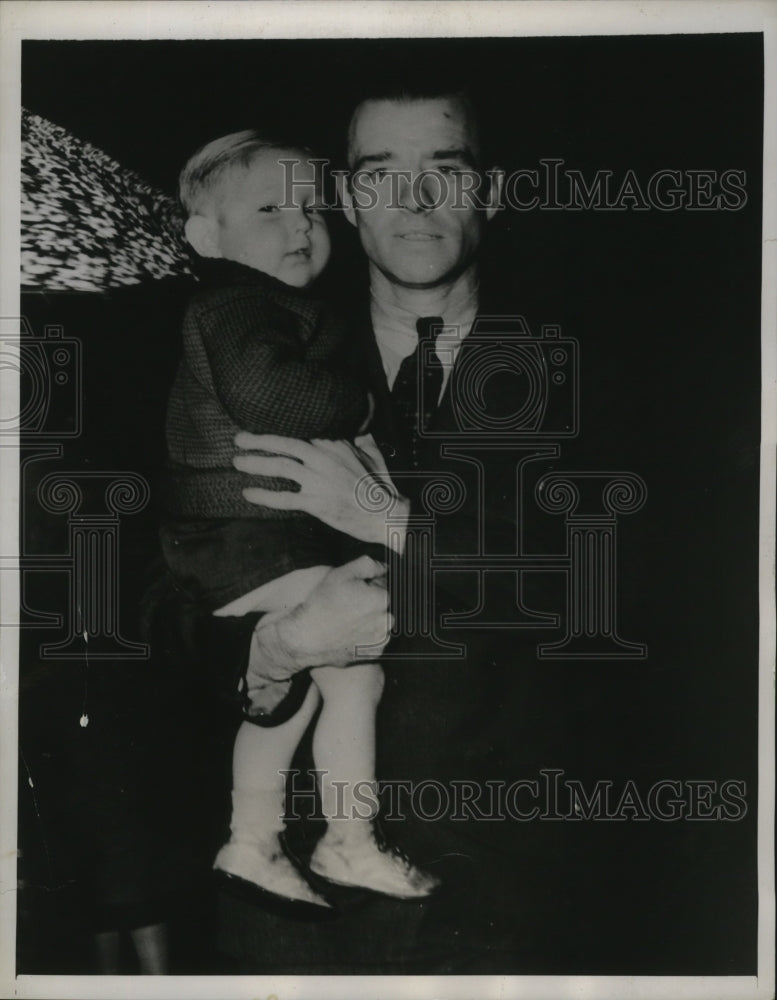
(260, 356)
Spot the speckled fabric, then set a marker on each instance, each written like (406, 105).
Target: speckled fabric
(259, 356)
(87, 223)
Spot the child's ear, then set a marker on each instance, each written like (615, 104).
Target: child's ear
(202, 233)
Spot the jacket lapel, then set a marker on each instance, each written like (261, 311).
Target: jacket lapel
(385, 428)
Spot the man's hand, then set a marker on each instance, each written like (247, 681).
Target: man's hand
(344, 620)
(346, 486)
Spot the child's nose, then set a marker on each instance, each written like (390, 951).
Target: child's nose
(301, 221)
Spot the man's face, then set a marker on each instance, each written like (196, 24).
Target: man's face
(268, 224)
(418, 230)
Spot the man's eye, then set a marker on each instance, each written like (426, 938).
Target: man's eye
(316, 208)
(378, 174)
(268, 208)
(449, 168)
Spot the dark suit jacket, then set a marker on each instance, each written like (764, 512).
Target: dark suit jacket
(543, 894)
(447, 725)
(525, 896)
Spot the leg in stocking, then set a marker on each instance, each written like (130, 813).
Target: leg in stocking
(344, 753)
(253, 852)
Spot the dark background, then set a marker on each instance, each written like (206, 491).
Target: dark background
(666, 307)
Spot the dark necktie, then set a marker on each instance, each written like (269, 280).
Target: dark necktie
(416, 390)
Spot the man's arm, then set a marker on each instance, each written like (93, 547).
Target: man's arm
(350, 489)
(346, 486)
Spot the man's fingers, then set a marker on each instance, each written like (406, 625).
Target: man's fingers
(271, 466)
(364, 568)
(366, 443)
(276, 444)
(374, 629)
(341, 452)
(379, 631)
(244, 439)
(316, 455)
(277, 499)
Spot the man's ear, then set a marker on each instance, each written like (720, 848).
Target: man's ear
(202, 233)
(496, 180)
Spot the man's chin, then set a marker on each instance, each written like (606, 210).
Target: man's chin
(423, 279)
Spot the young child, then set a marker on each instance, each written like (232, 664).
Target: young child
(261, 354)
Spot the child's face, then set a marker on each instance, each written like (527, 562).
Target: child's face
(289, 243)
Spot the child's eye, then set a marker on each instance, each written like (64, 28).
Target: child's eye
(314, 209)
(268, 208)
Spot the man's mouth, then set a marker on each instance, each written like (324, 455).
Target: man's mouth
(418, 237)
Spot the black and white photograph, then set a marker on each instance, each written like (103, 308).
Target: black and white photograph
(387, 556)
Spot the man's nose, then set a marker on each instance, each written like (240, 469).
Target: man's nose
(413, 193)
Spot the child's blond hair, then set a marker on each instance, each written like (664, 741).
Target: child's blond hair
(205, 168)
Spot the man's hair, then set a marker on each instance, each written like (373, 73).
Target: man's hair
(205, 168)
(412, 92)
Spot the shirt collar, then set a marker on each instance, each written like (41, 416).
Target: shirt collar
(396, 335)
(460, 311)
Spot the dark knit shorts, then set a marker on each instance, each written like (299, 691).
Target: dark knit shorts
(216, 561)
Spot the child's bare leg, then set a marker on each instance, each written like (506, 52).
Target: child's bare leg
(344, 753)
(254, 852)
(344, 741)
(260, 757)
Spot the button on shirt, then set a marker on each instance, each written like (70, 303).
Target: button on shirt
(396, 336)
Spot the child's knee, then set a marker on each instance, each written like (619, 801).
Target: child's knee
(361, 682)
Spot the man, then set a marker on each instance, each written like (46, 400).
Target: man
(422, 262)
(453, 710)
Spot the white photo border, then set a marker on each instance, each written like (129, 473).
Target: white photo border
(136, 19)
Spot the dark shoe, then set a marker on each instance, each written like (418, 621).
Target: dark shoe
(271, 902)
(265, 873)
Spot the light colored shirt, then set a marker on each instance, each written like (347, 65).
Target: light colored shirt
(396, 335)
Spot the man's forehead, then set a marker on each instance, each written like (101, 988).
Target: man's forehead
(424, 124)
